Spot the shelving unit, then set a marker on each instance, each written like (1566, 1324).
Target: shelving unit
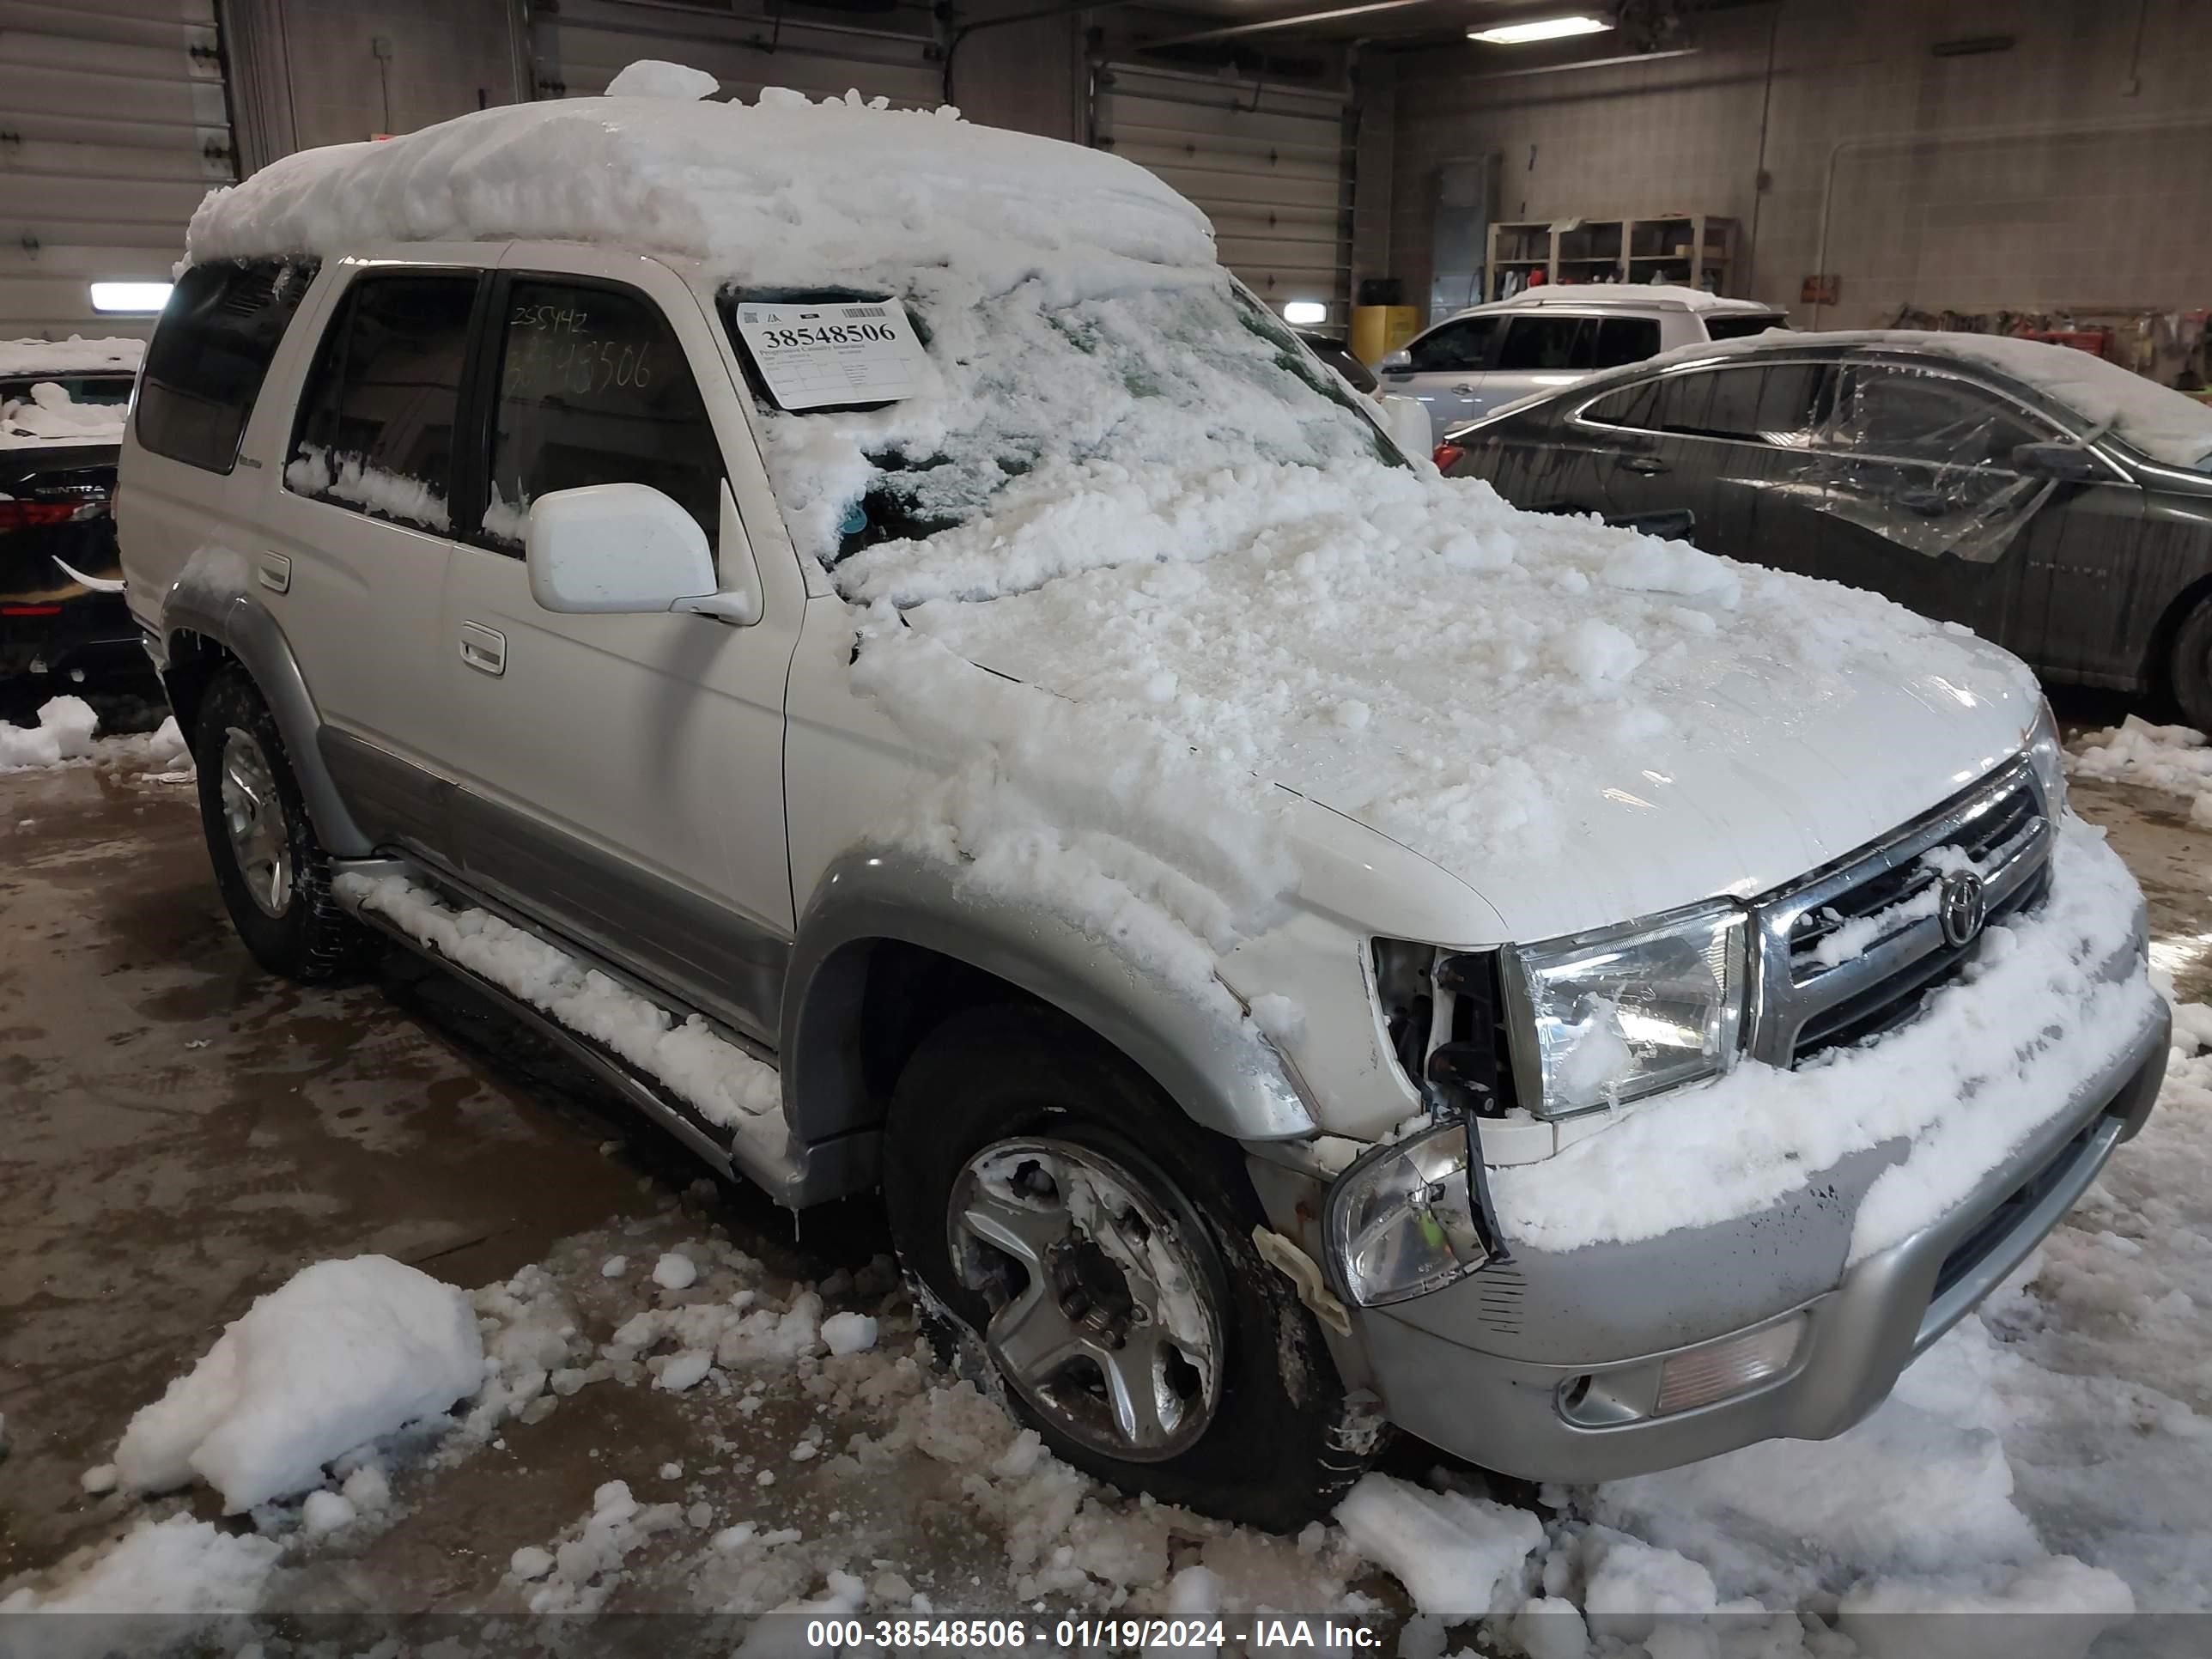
(1693, 250)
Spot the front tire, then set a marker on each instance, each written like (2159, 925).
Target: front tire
(1056, 1205)
(2189, 668)
(273, 875)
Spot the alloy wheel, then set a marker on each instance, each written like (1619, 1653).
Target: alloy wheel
(1102, 1315)
(253, 818)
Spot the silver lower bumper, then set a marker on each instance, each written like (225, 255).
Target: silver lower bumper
(1551, 1421)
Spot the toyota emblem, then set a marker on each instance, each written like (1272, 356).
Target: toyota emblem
(1961, 906)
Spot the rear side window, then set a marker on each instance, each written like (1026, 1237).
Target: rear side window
(1623, 340)
(1458, 348)
(1540, 342)
(375, 432)
(1776, 403)
(594, 388)
(210, 354)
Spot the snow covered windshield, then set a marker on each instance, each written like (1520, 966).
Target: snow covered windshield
(1189, 372)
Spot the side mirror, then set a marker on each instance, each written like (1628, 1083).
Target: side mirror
(1400, 359)
(1407, 421)
(618, 548)
(2067, 463)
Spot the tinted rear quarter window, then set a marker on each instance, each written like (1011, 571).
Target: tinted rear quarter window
(209, 355)
(1623, 340)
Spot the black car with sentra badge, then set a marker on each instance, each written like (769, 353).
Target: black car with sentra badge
(63, 623)
(2050, 500)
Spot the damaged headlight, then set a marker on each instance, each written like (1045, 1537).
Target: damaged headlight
(2047, 755)
(1401, 1221)
(1606, 1017)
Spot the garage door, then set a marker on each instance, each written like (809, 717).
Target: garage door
(1271, 167)
(112, 126)
(577, 46)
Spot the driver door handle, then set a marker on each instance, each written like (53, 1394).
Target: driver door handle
(1649, 465)
(483, 650)
(1463, 388)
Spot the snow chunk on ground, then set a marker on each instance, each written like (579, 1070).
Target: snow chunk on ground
(2054, 1608)
(848, 1332)
(63, 732)
(674, 1270)
(1457, 1555)
(343, 1351)
(175, 1565)
(2171, 758)
(654, 77)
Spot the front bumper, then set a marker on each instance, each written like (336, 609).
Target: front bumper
(1587, 1422)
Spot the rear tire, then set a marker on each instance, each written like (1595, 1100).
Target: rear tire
(1024, 1155)
(2188, 668)
(273, 875)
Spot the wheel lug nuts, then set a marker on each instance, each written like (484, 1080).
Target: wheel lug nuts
(1075, 1304)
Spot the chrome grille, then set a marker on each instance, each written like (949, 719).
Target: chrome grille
(1854, 949)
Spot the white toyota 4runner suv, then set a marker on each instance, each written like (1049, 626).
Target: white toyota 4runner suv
(858, 624)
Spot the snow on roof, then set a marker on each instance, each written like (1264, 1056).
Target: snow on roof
(2162, 423)
(50, 415)
(75, 356)
(778, 191)
(1693, 299)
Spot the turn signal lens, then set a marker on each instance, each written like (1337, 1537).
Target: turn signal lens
(1714, 1372)
(1447, 457)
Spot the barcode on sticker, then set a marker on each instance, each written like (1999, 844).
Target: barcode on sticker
(865, 310)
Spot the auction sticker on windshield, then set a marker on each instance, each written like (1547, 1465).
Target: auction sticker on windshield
(814, 356)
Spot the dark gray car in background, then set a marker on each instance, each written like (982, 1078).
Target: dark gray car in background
(2052, 502)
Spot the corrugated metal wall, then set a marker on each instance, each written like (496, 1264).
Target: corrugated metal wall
(578, 46)
(114, 124)
(1271, 167)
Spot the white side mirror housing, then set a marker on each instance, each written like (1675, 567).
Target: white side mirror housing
(1407, 421)
(1401, 358)
(616, 547)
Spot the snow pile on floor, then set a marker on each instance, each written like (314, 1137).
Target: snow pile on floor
(343, 1351)
(64, 733)
(2174, 758)
(48, 415)
(727, 1086)
(1456, 1554)
(188, 1570)
(579, 1573)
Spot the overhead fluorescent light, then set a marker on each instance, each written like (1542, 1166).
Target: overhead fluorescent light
(1546, 29)
(142, 299)
(1304, 312)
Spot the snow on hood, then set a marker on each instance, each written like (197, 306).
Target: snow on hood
(781, 191)
(75, 356)
(1514, 697)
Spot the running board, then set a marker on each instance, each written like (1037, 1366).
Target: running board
(794, 1174)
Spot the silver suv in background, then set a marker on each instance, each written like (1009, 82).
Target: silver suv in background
(1488, 355)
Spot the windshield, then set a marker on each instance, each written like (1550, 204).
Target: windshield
(1193, 373)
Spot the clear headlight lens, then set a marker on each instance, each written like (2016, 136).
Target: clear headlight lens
(1402, 1220)
(1611, 1016)
(2048, 755)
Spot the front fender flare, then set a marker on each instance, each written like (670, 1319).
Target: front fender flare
(1221, 1073)
(247, 630)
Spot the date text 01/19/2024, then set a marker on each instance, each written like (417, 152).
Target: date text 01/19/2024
(1107, 1635)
